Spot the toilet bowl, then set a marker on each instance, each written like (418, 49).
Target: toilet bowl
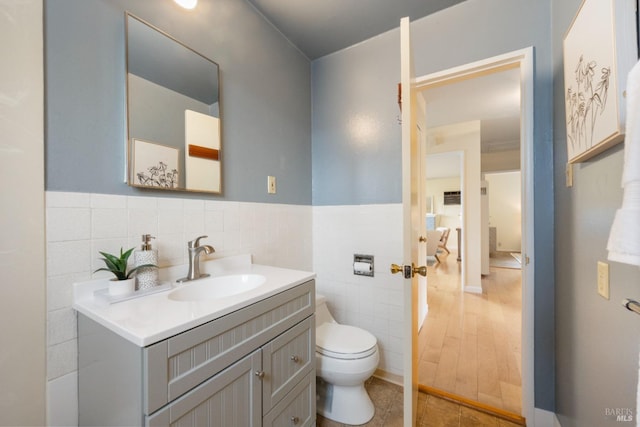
(346, 356)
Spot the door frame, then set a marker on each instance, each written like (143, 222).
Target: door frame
(524, 60)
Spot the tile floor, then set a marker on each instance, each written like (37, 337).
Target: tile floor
(432, 411)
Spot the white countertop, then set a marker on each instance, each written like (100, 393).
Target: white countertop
(152, 318)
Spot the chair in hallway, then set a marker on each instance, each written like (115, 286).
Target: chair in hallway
(433, 242)
(443, 238)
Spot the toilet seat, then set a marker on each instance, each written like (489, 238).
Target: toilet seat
(344, 342)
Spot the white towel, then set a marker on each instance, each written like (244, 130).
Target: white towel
(638, 397)
(632, 133)
(624, 238)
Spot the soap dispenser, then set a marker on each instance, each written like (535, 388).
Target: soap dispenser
(147, 277)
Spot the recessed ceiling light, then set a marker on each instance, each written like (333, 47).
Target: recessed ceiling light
(187, 4)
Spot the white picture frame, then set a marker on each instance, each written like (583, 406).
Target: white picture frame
(600, 48)
(155, 165)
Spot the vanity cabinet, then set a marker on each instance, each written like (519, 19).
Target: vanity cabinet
(252, 367)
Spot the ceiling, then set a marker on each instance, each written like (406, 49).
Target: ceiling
(321, 27)
(494, 99)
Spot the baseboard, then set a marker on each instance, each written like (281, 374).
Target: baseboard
(556, 421)
(482, 407)
(389, 377)
(543, 418)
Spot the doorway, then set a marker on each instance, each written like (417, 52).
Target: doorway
(470, 344)
(518, 64)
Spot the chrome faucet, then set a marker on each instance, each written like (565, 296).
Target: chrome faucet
(195, 250)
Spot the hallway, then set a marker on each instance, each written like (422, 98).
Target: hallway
(470, 344)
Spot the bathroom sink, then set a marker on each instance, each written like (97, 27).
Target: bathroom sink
(217, 287)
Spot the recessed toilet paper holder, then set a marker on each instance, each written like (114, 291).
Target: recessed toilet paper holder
(363, 265)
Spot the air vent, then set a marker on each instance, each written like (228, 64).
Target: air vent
(452, 197)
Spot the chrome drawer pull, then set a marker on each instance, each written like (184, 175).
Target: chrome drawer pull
(295, 420)
(260, 374)
(295, 359)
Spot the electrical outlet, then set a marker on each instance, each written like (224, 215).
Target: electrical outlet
(603, 279)
(271, 184)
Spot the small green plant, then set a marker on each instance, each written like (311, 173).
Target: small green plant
(118, 265)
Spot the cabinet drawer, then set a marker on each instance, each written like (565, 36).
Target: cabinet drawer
(176, 365)
(286, 360)
(298, 408)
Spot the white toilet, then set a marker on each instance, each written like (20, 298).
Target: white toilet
(346, 357)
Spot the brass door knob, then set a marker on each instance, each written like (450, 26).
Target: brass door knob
(395, 268)
(422, 270)
(422, 239)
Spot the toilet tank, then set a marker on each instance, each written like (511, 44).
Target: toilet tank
(322, 311)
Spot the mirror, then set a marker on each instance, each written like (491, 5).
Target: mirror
(173, 113)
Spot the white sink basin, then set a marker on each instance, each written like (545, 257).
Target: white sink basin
(217, 287)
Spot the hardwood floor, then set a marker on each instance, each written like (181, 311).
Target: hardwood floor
(470, 344)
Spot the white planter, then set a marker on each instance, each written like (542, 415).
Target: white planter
(122, 287)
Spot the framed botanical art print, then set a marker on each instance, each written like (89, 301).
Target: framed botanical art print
(155, 165)
(600, 48)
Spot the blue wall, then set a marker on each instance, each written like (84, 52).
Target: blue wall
(356, 133)
(597, 339)
(265, 96)
(358, 85)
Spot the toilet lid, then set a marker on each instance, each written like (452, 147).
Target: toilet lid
(343, 341)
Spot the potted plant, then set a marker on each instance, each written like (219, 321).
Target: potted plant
(124, 282)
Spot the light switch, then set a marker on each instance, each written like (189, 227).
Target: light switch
(603, 279)
(271, 184)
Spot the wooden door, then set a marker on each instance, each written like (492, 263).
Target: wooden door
(413, 219)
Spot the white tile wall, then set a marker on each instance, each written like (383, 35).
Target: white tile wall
(322, 238)
(79, 225)
(372, 303)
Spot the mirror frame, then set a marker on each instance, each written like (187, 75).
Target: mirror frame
(131, 139)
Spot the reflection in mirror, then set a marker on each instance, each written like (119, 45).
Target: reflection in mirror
(173, 113)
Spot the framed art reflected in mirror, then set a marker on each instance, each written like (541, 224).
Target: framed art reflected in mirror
(155, 165)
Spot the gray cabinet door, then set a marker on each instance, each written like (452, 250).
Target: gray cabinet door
(286, 360)
(231, 398)
(297, 408)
